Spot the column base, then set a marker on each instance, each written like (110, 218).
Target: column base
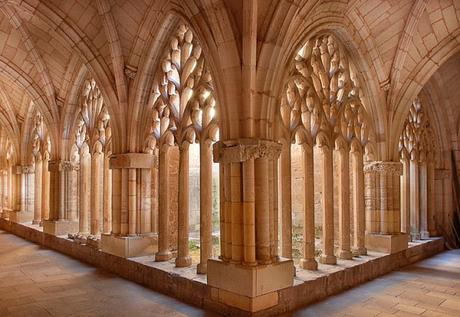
(128, 247)
(345, 255)
(424, 235)
(308, 264)
(183, 261)
(60, 227)
(94, 241)
(328, 259)
(415, 236)
(36, 222)
(163, 256)
(249, 288)
(6, 213)
(359, 251)
(21, 216)
(387, 243)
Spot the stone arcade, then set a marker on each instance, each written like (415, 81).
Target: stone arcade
(245, 156)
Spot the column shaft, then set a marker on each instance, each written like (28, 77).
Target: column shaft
(344, 204)
(183, 259)
(359, 215)
(205, 205)
(163, 253)
(328, 256)
(308, 260)
(415, 199)
(37, 192)
(286, 202)
(107, 196)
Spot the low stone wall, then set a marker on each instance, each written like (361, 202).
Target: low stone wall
(179, 284)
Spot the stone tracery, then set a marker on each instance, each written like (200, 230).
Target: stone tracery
(322, 105)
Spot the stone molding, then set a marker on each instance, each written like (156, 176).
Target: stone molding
(70, 166)
(241, 150)
(132, 160)
(384, 167)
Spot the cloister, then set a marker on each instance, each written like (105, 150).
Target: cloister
(249, 157)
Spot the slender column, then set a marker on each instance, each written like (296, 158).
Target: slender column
(227, 254)
(183, 259)
(274, 194)
(18, 181)
(145, 200)
(222, 205)
(384, 190)
(286, 202)
(107, 196)
(72, 192)
(415, 199)
(328, 256)
(262, 211)
(344, 203)
(431, 198)
(45, 189)
(163, 253)
(95, 193)
(57, 179)
(24, 191)
(423, 196)
(116, 201)
(37, 191)
(85, 189)
(308, 260)
(359, 216)
(236, 214)
(205, 205)
(405, 196)
(132, 202)
(155, 197)
(249, 218)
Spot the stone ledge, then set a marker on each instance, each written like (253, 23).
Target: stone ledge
(185, 285)
(387, 243)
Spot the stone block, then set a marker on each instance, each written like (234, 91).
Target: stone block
(59, 227)
(250, 288)
(128, 247)
(387, 243)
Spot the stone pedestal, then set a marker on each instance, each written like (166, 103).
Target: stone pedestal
(387, 243)
(21, 216)
(128, 247)
(59, 227)
(250, 288)
(6, 213)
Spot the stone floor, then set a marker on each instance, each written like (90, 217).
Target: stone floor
(427, 288)
(40, 282)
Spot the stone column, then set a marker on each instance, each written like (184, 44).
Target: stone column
(107, 197)
(57, 224)
(262, 227)
(286, 201)
(72, 190)
(386, 189)
(37, 191)
(163, 254)
(344, 201)
(155, 198)
(85, 190)
(423, 196)
(308, 260)
(247, 255)
(145, 219)
(414, 198)
(359, 215)
(20, 213)
(126, 239)
(405, 196)
(327, 167)
(96, 193)
(45, 188)
(205, 205)
(183, 259)
(431, 198)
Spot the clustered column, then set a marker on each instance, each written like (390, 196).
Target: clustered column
(249, 214)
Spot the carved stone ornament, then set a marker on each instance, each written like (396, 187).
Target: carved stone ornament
(384, 167)
(28, 169)
(245, 149)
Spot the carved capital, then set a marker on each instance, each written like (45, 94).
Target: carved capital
(384, 167)
(242, 150)
(70, 166)
(27, 169)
